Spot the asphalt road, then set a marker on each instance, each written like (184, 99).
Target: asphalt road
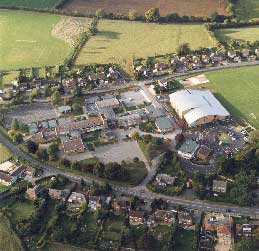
(140, 191)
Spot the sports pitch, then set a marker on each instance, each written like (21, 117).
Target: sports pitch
(26, 40)
(120, 41)
(238, 90)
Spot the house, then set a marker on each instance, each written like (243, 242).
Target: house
(161, 66)
(97, 77)
(165, 180)
(185, 219)
(188, 149)
(94, 203)
(245, 53)
(113, 74)
(162, 83)
(128, 120)
(244, 230)
(224, 234)
(154, 113)
(219, 186)
(204, 153)
(44, 137)
(59, 194)
(64, 109)
(197, 107)
(136, 217)
(108, 103)
(164, 217)
(34, 192)
(72, 145)
(76, 200)
(232, 54)
(10, 172)
(120, 205)
(164, 125)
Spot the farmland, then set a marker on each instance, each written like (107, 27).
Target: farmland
(183, 7)
(120, 41)
(238, 90)
(247, 9)
(250, 34)
(26, 40)
(8, 239)
(39, 4)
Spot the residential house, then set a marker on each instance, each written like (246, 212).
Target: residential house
(219, 186)
(164, 125)
(163, 83)
(34, 192)
(164, 180)
(94, 203)
(185, 219)
(59, 194)
(76, 200)
(64, 109)
(136, 217)
(120, 205)
(204, 153)
(164, 217)
(44, 137)
(72, 145)
(161, 67)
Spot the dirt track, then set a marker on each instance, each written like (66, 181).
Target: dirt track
(182, 7)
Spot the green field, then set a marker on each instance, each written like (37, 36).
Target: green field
(238, 90)
(120, 41)
(247, 9)
(4, 153)
(36, 4)
(55, 246)
(26, 40)
(245, 34)
(22, 210)
(8, 239)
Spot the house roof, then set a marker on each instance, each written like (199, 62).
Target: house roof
(136, 214)
(219, 183)
(73, 144)
(5, 177)
(197, 104)
(164, 123)
(107, 103)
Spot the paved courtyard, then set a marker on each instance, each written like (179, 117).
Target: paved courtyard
(133, 98)
(30, 113)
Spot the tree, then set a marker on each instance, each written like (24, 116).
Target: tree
(53, 151)
(9, 93)
(183, 49)
(47, 91)
(134, 135)
(133, 15)
(253, 138)
(55, 96)
(76, 107)
(32, 146)
(42, 154)
(247, 245)
(36, 92)
(17, 138)
(15, 124)
(152, 15)
(100, 13)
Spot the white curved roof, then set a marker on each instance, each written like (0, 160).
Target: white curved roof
(200, 104)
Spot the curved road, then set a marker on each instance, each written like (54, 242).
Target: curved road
(140, 191)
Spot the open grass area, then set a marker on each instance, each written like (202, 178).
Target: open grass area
(247, 9)
(4, 153)
(120, 41)
(238, 91)
(26, 40)
(250, 34)
(183, 7)
(8, 239)
(55, 246)
(35, 4)
(22, 210)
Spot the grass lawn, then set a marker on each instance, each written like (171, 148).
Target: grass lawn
(26, 40)
(8, 239)
(22, 210)
(247, 9)
(238, 91)
(4, 153)
(113, 227)
(36, 4)
(120, 41)
(225, 138)
(250, 34)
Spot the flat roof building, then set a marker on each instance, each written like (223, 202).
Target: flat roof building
(197, 107)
